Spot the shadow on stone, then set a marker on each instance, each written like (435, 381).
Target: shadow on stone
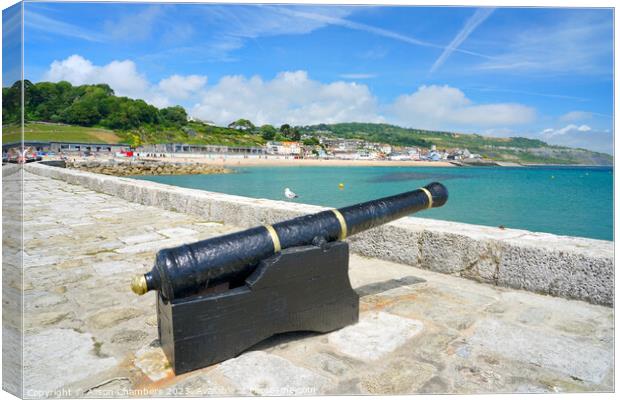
(281, 339)
(55, 163)
(384, 286)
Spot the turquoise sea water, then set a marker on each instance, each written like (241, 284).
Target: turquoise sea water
(574, 201)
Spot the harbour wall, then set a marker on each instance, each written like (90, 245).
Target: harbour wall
(157, 167)
(570, 267)
(10, 169)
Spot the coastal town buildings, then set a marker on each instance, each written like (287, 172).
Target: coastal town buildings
(66, 147)
(327, 148)
(201, 149)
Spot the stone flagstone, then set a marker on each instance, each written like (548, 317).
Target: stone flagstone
(57, 357)
(583, 359)
(376, 335)
(259, 373)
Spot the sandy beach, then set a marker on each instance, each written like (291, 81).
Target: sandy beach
(231, 161)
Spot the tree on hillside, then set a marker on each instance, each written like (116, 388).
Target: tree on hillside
(312, 141)
(130, 114)
(242, 125)
(11, 103)
(85, 105)
(285, 129)
(295, 134)
(268, 132)
(90, 107)
(174, 115)
(291, 133)
(82, 112)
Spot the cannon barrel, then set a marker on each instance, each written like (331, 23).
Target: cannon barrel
(191, 268)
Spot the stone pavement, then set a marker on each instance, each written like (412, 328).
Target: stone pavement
(87, 334)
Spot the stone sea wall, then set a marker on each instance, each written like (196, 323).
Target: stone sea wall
(10, 169)
(569, 267)
(127, 168)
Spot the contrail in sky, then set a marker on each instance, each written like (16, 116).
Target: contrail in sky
(472, 23)
(377, 31)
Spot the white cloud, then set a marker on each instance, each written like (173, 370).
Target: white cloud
(124, 78)
(290, 97)
(182, 87)
(572, 128)
(442, 107)
(582, 136)
(293, 97)
(578, 136)
(574, 116)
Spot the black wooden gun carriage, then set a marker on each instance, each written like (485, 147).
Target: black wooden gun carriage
(220, 296)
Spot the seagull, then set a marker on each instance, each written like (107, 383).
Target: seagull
(289, 193)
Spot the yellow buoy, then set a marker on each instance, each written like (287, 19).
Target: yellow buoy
(341, 186)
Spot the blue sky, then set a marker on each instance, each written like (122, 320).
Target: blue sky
(538, 72)
(11, 45)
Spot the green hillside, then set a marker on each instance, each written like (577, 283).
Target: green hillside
(46, 132)
(194, 133)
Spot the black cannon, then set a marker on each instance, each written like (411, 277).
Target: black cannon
(220, 296)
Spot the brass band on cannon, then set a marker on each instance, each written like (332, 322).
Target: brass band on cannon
(220, 296)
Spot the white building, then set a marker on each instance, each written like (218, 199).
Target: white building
(385, 149)
(414, 153)
(203, 121)
(348, 145)
(400, 157)
(366, 155)
(283, 148)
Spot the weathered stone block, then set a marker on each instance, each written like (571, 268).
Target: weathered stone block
(588, 361)
(259, 373)
(375, 335)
